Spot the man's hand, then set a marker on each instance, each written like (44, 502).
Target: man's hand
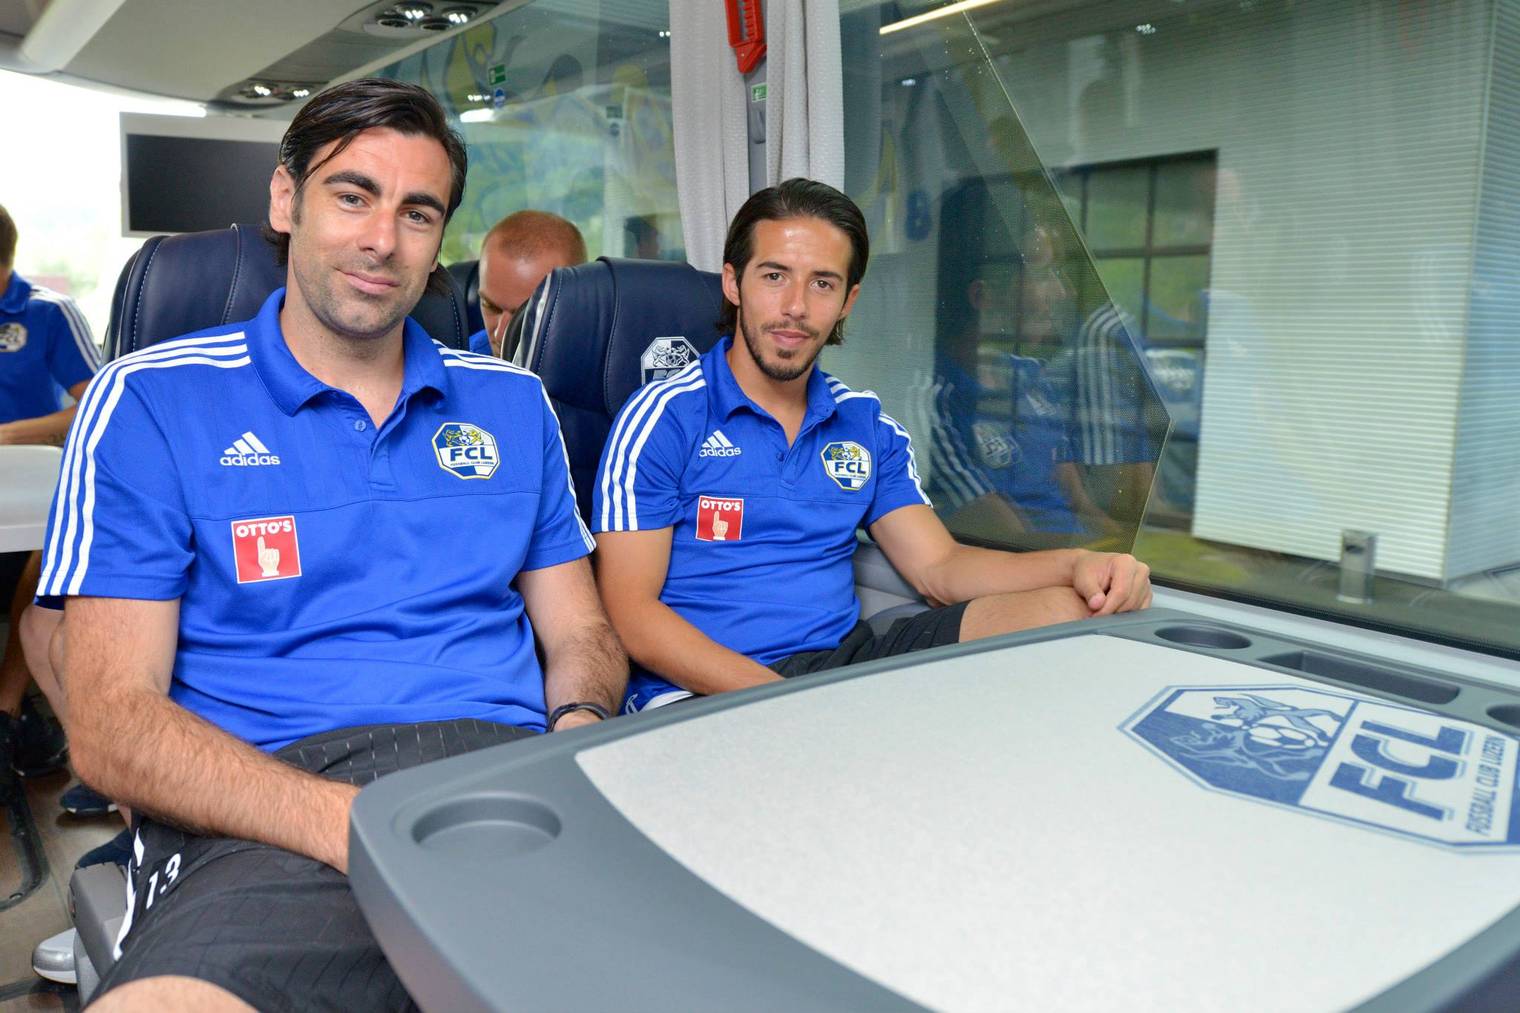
(1112, 582)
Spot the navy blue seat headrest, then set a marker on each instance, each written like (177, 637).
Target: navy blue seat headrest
(597, 332)
(174, 285)
(467, 274)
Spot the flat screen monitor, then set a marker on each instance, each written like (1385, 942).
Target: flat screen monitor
(186, 174)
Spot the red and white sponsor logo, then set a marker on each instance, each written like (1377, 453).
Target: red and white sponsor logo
(265, 548)
(719, 519)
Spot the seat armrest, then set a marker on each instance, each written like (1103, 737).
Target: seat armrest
(98, 894)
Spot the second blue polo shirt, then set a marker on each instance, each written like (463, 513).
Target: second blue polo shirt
(764, 533)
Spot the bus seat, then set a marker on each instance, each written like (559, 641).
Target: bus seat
(597, 332)
(467, 274)
(177, 284)
(97, 895)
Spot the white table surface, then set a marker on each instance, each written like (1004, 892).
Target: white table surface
(28, 476)
(1045, 861)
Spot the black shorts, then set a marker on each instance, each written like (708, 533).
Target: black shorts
(934, 627)
(278, 930)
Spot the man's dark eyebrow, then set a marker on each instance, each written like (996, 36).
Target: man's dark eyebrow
(353, 178)
(422, 199)
(816, 274)
(363, 182)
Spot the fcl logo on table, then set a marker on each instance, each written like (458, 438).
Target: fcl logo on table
(466, 451)
(1354, 759)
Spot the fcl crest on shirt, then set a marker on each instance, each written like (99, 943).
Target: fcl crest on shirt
(466, 450)
(12, 337)
(848, 464)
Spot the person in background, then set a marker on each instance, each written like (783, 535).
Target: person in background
(518, 252)
(46, 351)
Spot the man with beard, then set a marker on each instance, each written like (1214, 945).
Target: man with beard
(729, 494)
(269, 546)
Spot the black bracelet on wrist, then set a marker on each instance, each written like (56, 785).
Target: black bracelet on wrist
(576, 705)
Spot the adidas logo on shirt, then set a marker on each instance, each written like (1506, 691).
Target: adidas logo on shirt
(717, 445)
(248, 451)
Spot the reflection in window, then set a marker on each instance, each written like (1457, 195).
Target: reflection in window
(1342, 240)
(562, 113)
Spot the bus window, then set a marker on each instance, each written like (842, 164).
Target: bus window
(566, 114)
(1301, 217)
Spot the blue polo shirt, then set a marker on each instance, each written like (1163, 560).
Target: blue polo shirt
(45, 348)
(480, 344)
(761, 556)
(330, 573)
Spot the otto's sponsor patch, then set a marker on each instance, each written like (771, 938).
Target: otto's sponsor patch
(1350, 758)
(848, 464)
(466, 450)
(719, 519)
(265, 548)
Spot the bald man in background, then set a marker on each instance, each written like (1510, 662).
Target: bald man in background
(517, 254)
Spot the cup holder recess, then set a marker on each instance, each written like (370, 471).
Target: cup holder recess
(1204, 636)
(494, 825)
(1508, 713)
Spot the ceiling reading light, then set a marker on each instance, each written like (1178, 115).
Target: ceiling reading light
(261, 90)
(664, 33)
(943, 12)
(908, 82)
(299, 92)
(434, 24)
(1146, 29)
(459, 15)
(414, 11)
(392, 20)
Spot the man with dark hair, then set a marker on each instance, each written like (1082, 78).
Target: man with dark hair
(275, 591)
(729, 494)
(46, 349)
(518, 252)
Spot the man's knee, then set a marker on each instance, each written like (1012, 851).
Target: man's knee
(1061, 605)
(1021, 610)
(168, 993)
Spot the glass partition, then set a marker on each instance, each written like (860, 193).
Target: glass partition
(982, 321)
(565, 107)
(1304, 216)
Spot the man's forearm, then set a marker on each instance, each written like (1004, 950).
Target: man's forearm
(45, 429)
(142, 749)
(662, 641)
(586, 665)
(973, 572)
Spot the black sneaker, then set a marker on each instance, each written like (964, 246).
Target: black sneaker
(82, 800)
(41, 746)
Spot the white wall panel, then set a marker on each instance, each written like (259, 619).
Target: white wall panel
(1348, 137)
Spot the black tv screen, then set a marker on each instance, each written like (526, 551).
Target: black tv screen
(189, 184)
